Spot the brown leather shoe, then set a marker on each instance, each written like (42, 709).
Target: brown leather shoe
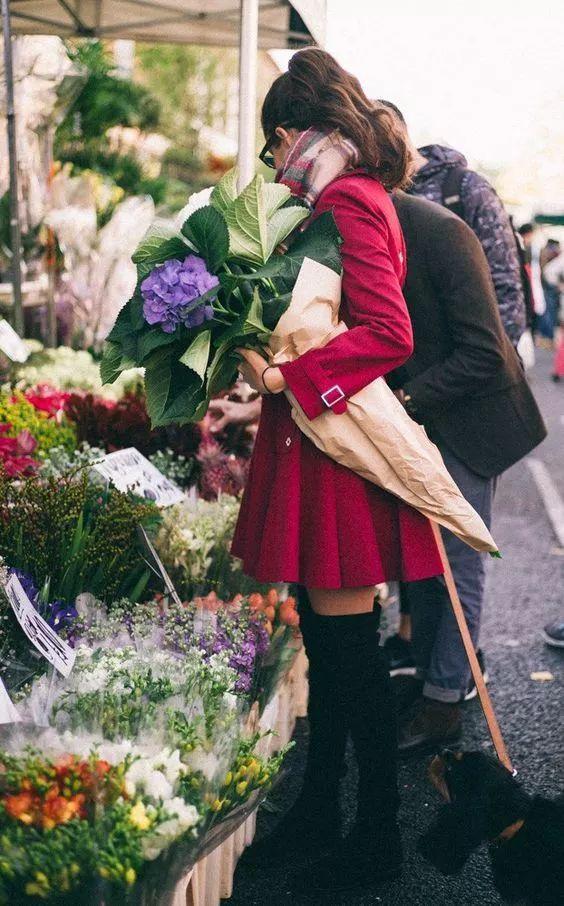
(429, 725)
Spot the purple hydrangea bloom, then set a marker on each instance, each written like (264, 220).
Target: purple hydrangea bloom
(172, 294)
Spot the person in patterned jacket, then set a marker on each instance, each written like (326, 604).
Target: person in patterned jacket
(481, 208)
(483, 211)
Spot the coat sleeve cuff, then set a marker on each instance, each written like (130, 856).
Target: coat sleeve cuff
(312, 388)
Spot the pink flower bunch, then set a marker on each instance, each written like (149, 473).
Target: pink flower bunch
(221, 472)
(15, 453)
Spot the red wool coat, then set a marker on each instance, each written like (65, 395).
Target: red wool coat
(305, 518)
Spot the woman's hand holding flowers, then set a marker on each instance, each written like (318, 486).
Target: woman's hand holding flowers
(253, 370)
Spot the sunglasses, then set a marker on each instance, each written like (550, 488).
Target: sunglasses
(265, 155)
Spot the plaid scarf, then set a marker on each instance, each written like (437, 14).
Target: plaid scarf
(316, 160)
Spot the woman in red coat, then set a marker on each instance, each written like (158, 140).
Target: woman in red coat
(307, 519)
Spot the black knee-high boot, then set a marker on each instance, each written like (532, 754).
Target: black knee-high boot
(360, 680)
(313, 824)
(328, 726)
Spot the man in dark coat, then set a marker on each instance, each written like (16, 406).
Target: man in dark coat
(466, 385)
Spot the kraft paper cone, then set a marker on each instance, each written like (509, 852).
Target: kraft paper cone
(375, 438)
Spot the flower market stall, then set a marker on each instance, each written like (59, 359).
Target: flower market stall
(148, 688)
(136, 729)
(149, 759)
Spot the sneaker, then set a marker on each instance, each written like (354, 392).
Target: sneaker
(472, 691)
(400, 657)
(553, 634)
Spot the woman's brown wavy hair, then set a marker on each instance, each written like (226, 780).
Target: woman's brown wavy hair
(316, 91)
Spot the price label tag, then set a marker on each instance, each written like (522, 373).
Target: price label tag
(38, 631)
(11, 344)
(129, 470)
(8, 711)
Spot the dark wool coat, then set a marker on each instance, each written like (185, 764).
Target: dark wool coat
(465, 378)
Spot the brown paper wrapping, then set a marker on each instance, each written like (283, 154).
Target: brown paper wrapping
(375, 438)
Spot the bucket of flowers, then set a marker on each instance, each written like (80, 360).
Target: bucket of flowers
(123, 774)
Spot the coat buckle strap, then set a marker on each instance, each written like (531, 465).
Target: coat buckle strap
(337, 394)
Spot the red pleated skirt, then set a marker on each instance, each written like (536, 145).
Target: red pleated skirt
(305, 518)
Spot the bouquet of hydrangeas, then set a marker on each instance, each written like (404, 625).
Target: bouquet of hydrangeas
(218, 283)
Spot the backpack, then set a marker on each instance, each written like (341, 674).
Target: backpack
(452, 199)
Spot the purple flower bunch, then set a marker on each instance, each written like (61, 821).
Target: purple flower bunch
(244, 638)
(59, 615)
(173, 294)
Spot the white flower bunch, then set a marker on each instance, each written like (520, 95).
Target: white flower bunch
(191, 534)
(181, 818)
(156, 776)
(69, 369)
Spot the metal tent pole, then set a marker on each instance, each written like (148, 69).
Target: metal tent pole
(16, 262)
(248, 59)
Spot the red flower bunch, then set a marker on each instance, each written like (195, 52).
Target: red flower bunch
(15, 453)
(52, 794)
(125, 423)
(47, 400)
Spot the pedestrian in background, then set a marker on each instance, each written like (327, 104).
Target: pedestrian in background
(466, 385)
(553, 275)
(551, 262)
(442, 175)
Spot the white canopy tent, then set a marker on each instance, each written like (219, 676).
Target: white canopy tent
(170, 21)
(250, 24)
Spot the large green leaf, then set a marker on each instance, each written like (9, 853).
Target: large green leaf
(224, 364)
(136, 315)
(275, 195)
(197, 355)
(122, 326)
(246, 219)
(158, 375)
(151, 340)
(111, 366)
(185, 406)
(274, 308)
(320, 242)
(225, 192)
(158, 245)
(207, 230)
(254, 323)
(282, 223)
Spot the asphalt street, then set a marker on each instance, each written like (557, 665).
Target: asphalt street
(526, 590)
